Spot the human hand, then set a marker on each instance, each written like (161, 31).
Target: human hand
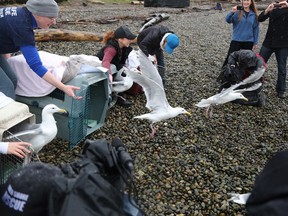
(283, 4)
(234, 9)
(255, 46)
(69, 90)
(270, 8)
(18, 148)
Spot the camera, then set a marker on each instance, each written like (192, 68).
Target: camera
(277, 5)
(240, 7)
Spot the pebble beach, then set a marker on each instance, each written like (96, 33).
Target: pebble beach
(191, 164)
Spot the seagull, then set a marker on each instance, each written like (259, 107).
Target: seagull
(39, 135)
(121, 83)
(231, 93)
(151, 83)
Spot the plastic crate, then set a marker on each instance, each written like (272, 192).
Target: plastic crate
(9, 163)
(12, 116)
(85, 115)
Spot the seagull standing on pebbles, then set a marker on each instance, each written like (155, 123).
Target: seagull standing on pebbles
(41, 134)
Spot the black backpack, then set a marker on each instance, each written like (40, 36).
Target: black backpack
(88, 194)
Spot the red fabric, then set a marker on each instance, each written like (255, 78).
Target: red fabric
(109, 54)
(135, 89)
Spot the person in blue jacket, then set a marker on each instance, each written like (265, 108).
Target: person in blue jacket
(245, 27)
(17, 24)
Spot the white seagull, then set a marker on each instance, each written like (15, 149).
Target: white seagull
(230, 94)
(151, 83)
(39, 135)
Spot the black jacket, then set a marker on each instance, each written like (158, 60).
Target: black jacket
(149, 39)
(122, 54)
(269, 196)
(277, 33)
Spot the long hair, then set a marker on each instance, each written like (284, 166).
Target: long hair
(109, 35)
(253, 8)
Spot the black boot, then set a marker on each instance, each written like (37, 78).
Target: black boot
(121, 101)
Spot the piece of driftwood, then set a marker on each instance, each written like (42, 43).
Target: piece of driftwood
(154, 20)
(68, 35)
(65, 35)
(137, 2)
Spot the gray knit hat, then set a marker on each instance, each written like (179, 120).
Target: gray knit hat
(46, 8)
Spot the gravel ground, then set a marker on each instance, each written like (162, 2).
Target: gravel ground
(192, 164)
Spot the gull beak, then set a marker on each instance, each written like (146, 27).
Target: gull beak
(62, 111)
(188, 113)
(246, 99)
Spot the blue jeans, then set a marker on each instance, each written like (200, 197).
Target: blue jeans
(281, 57)
(8, 80)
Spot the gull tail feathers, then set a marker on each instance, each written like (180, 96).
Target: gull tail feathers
(144, 116)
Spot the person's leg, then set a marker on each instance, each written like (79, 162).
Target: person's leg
(234, 46)
(8, 80)
(161, 65)
(246, 45)
(265, 53)
(281, 57)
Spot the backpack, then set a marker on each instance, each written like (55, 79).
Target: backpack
(88, 194)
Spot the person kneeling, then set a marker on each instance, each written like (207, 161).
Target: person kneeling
(241, 64)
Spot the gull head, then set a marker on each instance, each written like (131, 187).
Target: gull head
(180, 110)
(52, 108)
(240, 96)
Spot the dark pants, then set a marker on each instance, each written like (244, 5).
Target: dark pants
(161, 65)
(281, 57)
(8, 80)
(236, 46)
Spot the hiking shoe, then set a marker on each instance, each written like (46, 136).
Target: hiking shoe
(121, 101)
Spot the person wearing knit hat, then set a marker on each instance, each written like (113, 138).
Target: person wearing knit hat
(17, 24)
(47, 8)
(153, 40)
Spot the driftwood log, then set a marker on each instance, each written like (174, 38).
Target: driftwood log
(65, 35)
(154, 20)
(68, 35)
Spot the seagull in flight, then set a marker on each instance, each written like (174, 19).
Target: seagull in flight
(40, 134)
(151, 83)
(232, 93)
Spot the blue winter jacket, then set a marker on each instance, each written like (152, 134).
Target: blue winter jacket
(17, 24)
(245, 30)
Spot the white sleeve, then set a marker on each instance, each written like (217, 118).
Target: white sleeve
(4, 147)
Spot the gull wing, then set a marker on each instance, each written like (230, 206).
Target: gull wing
(252, 78)
(155, 94)
(149, 69)
(252, 88)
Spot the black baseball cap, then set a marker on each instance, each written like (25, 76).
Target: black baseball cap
(124, 32)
